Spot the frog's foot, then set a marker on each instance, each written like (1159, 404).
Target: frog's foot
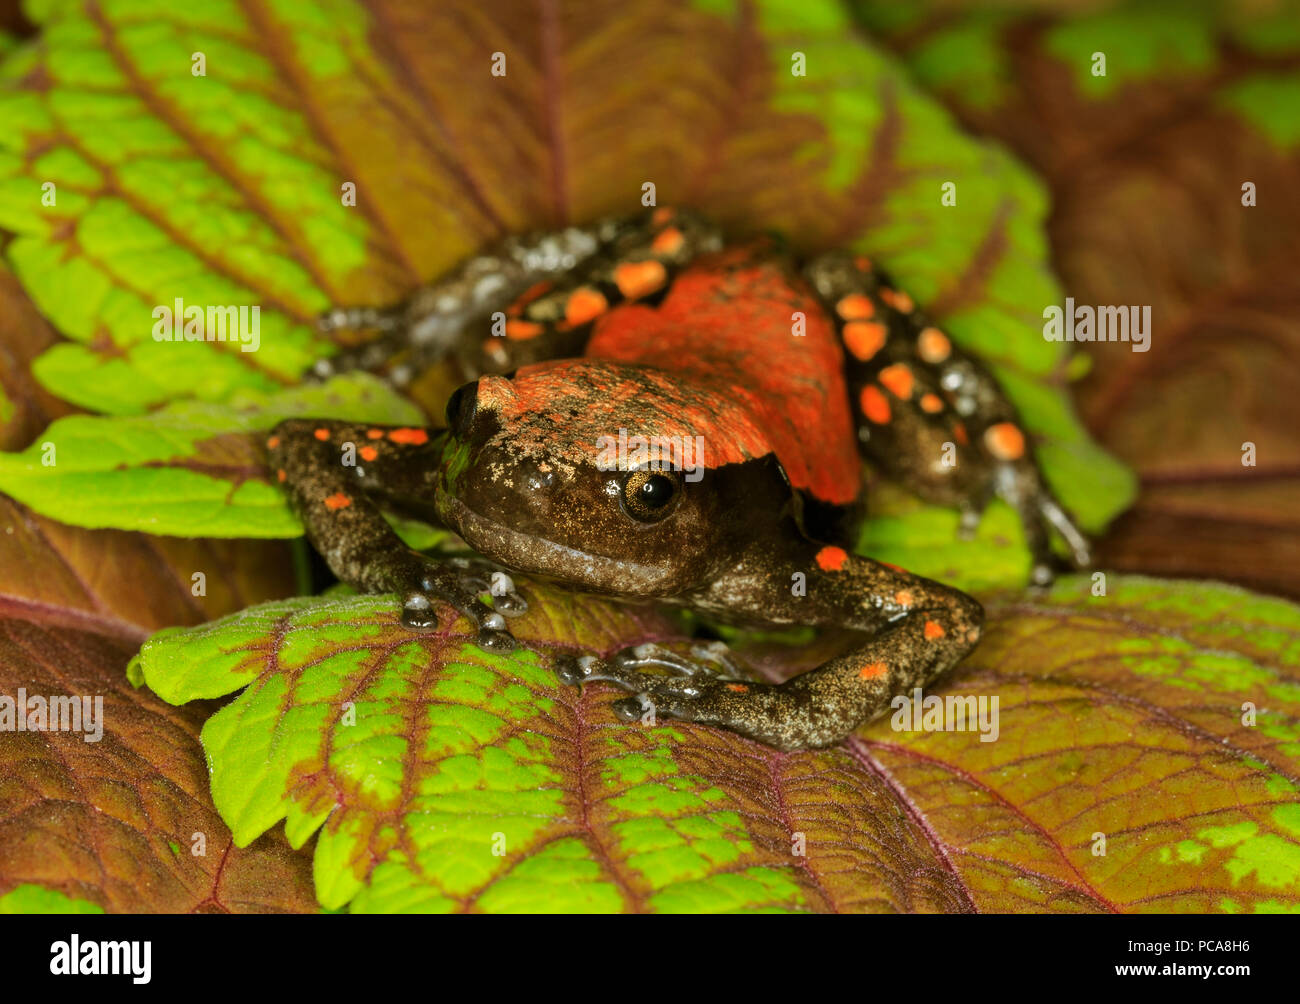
(1039, 513)
(425, 582)
(485, 577)
(706, 659)
(1080, 551)
(665, 696)
(699, 680)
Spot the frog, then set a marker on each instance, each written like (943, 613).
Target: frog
(653, 413)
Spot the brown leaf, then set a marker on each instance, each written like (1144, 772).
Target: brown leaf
(115, 822)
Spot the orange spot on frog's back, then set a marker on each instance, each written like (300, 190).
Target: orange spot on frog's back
(931, 403)
(280, 476)
(368, 453)
(831, 558)
(412, 437)
(904, 598)
(934, 630)
(374, 433)
(864, 338)
(636, 279)
(739, 688)
(337, 501)
(273, 442)
(662, 215)
(874, 405)
(1005, 441)
(322, 434)
(873, 671)
(899, 380)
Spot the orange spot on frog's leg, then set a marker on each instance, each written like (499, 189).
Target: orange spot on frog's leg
(831, 558)
(864, 338)
(1005, 441)
(863, 262)
(931, 403)
(662, 215)
(414, 437)
(855, 307)
(583, 305)
(934, 630)
(739, 688)
(873, 671)
(898, 300)
(933, 345)
(874, 405)
(668, 241)
(322, 434)
(368, 453)
(337, 501)
(374, 433)
(959, 433)
(533, 292)
(636, 279)
(898, 379)
(519, 330)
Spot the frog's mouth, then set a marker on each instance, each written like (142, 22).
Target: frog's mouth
(536, 555)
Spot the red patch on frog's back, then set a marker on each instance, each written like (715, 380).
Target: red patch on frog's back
(725, 328)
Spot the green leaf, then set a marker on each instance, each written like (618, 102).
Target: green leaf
(441, 777)
(29, 898)
(190, 469)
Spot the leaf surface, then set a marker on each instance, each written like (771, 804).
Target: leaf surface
(443, 778)
(191, 469)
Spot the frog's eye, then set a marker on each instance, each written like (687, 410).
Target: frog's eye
(461, 407)
(649, 496)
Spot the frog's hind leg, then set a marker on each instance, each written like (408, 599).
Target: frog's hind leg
(930, 415)
(524, 300)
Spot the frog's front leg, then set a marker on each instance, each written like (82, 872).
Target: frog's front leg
(918, 629)
(337, 473)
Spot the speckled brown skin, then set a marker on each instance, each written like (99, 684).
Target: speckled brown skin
(519, 477)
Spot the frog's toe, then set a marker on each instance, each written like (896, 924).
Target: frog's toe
(706, 659)
(650, 655)
(1080, 550)
(571, 670)
(417, 613)
(633, 709)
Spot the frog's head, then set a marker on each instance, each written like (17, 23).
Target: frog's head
(608, 476)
